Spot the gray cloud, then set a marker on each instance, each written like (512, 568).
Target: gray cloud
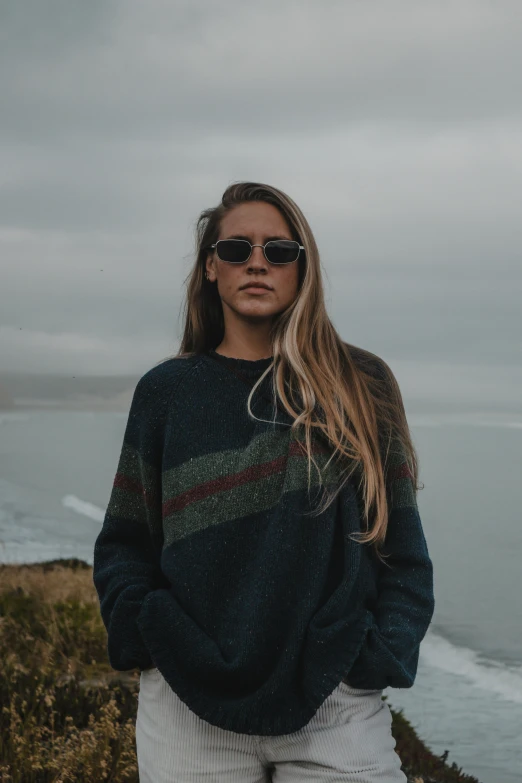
(396, 127)
(161, 68)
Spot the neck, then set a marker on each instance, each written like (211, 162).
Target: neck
(244, 339)
(243, 349)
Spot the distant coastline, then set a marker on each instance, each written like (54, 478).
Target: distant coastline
(94, 404)
(32, 391)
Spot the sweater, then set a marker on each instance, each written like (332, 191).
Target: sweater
(211, 567)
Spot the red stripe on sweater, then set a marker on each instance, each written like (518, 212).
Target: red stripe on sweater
(135, 487)
(252, 473)
(223, 483)
(401, 471)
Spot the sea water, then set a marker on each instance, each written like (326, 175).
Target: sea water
(56, 473)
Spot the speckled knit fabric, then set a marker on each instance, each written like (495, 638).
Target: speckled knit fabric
(210, 566)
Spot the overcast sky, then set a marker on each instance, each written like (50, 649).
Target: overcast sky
(396, 126)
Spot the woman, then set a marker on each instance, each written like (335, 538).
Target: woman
(262, 560)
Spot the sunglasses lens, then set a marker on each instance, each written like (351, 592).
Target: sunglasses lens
(278, 251)
(282, 251)
(235, 251)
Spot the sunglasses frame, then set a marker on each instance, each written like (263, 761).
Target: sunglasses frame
(238, 263)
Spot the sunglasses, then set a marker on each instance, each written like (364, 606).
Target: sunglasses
(238, 251)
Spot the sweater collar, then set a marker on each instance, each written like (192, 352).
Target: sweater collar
(248, 367)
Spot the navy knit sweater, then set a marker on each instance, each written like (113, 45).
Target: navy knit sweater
(210, 567)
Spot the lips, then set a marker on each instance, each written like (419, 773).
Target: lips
(255, 285)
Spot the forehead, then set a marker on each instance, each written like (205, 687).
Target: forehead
(254, 217)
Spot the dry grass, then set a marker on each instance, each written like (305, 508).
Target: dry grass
(52, 581)
(66, 715)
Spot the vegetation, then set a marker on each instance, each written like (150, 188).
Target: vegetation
(66, 714)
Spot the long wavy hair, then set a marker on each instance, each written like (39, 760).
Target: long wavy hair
(331, 389)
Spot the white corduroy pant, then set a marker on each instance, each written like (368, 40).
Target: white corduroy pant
(348, 739)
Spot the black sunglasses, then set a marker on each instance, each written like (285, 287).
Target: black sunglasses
(238, 251)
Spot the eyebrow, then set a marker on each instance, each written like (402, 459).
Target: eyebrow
(267, 239)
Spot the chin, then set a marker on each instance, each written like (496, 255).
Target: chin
(253, 312)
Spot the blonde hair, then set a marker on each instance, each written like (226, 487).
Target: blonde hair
(344, 393)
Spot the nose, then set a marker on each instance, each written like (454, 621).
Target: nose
(257, 257)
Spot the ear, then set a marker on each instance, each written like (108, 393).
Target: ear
(210, 266)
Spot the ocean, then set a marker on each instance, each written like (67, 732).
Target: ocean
(56, 473)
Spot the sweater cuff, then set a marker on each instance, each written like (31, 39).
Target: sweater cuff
(376, 667)
(126, 647)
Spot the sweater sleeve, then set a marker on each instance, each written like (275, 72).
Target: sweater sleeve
(405, 601)
(126, 564)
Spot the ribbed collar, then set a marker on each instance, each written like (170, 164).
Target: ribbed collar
(251, 368)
